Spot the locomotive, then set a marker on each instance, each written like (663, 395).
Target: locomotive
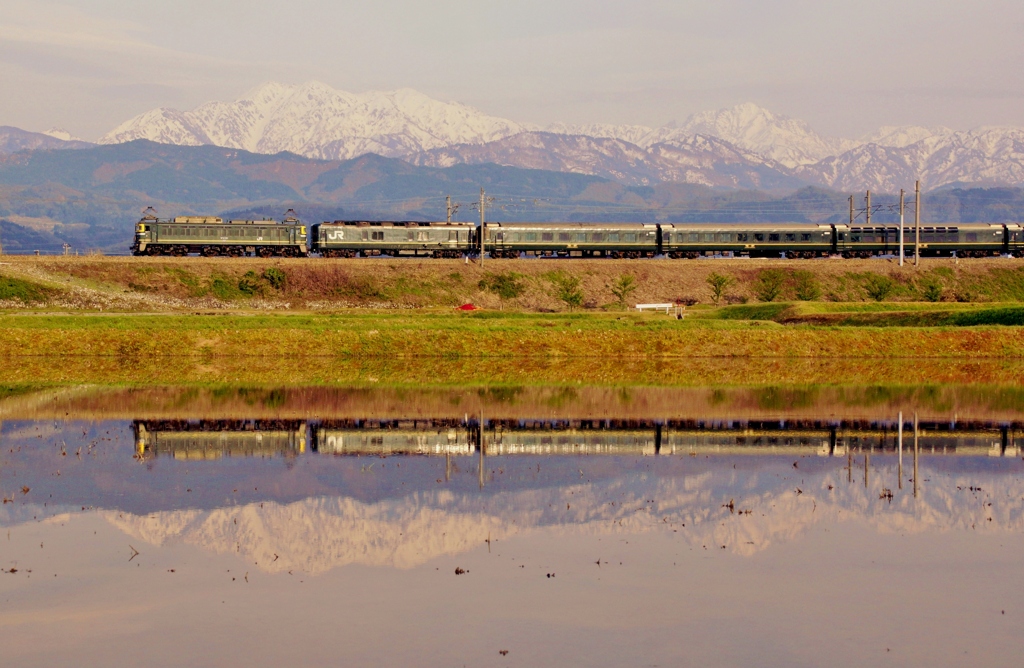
(211, 236)
(207, 236)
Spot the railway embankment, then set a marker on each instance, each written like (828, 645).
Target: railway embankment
(600, 285)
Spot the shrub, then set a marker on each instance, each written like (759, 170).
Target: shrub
(275, 277)
(879, 287)
(24, 291)
(623, 287)
(506, 285)
(223, 288)
(932, 290)
(718, 284)
(769, 284)
(250, 284)
(806, 286)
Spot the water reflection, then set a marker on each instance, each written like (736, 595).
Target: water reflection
(683, 508)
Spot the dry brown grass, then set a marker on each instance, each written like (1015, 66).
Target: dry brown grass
(188, 283)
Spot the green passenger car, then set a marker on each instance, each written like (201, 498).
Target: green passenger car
(211, 237)
(796, 240)
(409, 238)
(571, 239)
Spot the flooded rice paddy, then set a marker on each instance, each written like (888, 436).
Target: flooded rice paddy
(512, 526)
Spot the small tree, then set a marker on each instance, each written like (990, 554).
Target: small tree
(718, 284)
(567, 289)
(505, 285)
(806, 286)
(879, 287)
(623, 287)
(769, 284)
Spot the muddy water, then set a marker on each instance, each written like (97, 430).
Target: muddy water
(602, 527)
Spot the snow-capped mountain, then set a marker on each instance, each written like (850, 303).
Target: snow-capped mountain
(745, 146)
(903, 135)
(788, 141)
(986, 156)
(317, 121)
(697, 159)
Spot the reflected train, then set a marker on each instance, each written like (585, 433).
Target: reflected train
(215, 439)
(216, 237)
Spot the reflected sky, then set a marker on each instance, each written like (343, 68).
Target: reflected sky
(171, 541)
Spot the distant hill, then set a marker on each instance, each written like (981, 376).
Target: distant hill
(13, 140)
(91, 197)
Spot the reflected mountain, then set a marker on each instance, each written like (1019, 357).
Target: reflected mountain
(715, 509)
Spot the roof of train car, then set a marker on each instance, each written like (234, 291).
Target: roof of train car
(747, 226)
(538, 226)
(398, 223)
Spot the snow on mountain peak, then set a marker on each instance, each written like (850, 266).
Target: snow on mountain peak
(318, 121)
(62, 134)
(789, 141)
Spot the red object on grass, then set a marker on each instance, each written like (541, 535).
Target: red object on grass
(469, 307)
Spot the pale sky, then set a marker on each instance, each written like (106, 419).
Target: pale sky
(845, 67)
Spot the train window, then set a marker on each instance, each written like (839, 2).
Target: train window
(679, 237)
(790, 236)
(531, 236)
(694, 236)
(805, 237)
(854, 237)
(564, 236)
(842, 236)
(630, 236)
(972, 236)
(742, 236)
(954, 230)
(613, 236)
(927, 230)
(453, 236)
(500, 236)
(724, 236)
(773, 237)
(378, 235)
(597, 236)
(940, 230)
(547, 236)
(855, 230)
(758, 236)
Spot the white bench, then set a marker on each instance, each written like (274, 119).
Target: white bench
(667, 308)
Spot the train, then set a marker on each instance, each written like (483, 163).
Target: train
(216, 237)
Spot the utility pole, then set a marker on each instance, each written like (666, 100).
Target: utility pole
(868, 212)
(851, 210)
(451, 209)
(483, 204)
(901, 239)
(917, 226)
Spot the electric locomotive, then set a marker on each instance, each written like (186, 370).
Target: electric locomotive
(212, 236)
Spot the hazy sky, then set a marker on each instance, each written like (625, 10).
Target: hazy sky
(846, 67)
